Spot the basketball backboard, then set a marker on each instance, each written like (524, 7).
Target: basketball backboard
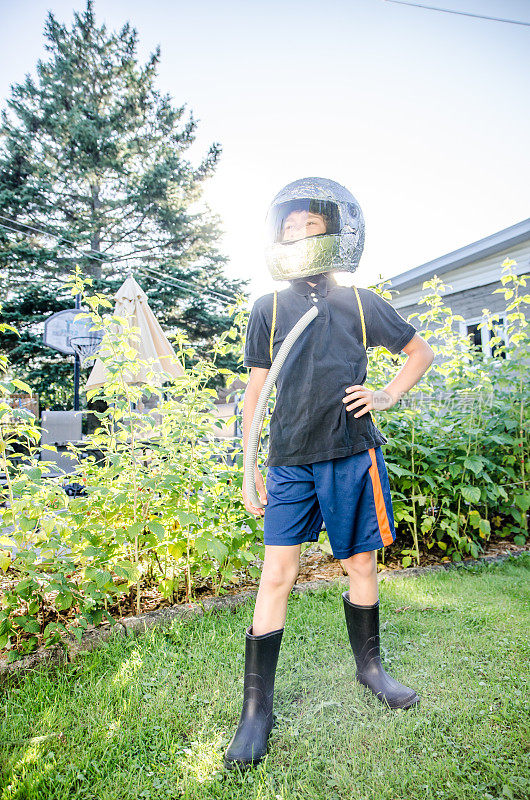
(60, 328)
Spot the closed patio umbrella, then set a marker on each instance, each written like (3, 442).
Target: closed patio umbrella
(153, 345)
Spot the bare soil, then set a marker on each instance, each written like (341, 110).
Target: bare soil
(315, 565)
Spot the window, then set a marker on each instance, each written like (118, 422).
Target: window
(475, 334)
(499, 329)
(481, 337)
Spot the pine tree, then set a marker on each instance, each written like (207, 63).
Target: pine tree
(93, 172)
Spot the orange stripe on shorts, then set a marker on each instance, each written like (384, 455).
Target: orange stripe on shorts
(380, 508)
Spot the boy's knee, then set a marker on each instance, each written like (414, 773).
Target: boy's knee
(360, 564)
(280, 577)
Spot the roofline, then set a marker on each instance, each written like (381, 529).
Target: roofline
(465, 255)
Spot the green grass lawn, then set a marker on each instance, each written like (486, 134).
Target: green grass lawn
(151, 717)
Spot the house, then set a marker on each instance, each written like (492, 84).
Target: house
(471, 273)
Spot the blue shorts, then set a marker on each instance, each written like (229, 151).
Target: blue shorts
(350, 495)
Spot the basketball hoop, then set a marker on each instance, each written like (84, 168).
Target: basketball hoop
(86, 346)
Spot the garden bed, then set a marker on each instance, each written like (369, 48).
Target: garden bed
(315, 565)
(316, 569)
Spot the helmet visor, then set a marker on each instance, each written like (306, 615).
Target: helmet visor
(300, 219)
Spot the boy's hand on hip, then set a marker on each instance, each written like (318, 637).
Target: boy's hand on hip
(359, 395)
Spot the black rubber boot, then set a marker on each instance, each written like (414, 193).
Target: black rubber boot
(249, 743)
(363, 630)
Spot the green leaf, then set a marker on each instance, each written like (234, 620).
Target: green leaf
(519, 540)
(52, 629)
(5, 560)
(474, 463)
(135, 529)
(157, 528)
(102, 577)
(522, 500)
(126, 569)
(471, 493)
(502, 492)
(27, 524)
(63, 601)
(28, 624)
(21, 385)
(186, 518)
(166, 587)
(92, 552)
(213, 547)
(13, 655)
(22, 587)
(473, 550)
(399, 471)
(177, 549)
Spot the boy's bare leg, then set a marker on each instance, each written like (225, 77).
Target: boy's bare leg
(280, 569)
(362, 571)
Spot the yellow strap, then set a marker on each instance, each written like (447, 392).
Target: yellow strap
(273, 326)
(364, 333)
(362, 316)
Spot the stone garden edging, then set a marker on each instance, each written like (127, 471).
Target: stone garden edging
(133, 626)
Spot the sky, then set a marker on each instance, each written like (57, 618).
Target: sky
(422, 115)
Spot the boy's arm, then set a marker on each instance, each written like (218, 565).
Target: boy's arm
(420, 357)
(385, 326)
(257, 357)
(254, 386)
(252, 392)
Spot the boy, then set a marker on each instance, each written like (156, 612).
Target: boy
(325, 460)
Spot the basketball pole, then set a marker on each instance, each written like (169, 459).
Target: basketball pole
(77, 363)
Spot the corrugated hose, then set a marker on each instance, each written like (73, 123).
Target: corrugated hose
(261, 406)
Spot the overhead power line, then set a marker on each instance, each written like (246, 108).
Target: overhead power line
(174, 281)
(461, 13)
(167, 280)
(184, 284)
(44, 232)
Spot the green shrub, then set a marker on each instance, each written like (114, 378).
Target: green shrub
(458, 446)
(162, 504)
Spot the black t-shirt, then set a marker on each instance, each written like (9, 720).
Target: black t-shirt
(310, 422)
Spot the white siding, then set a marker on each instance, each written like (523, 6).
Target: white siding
(478, 273)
